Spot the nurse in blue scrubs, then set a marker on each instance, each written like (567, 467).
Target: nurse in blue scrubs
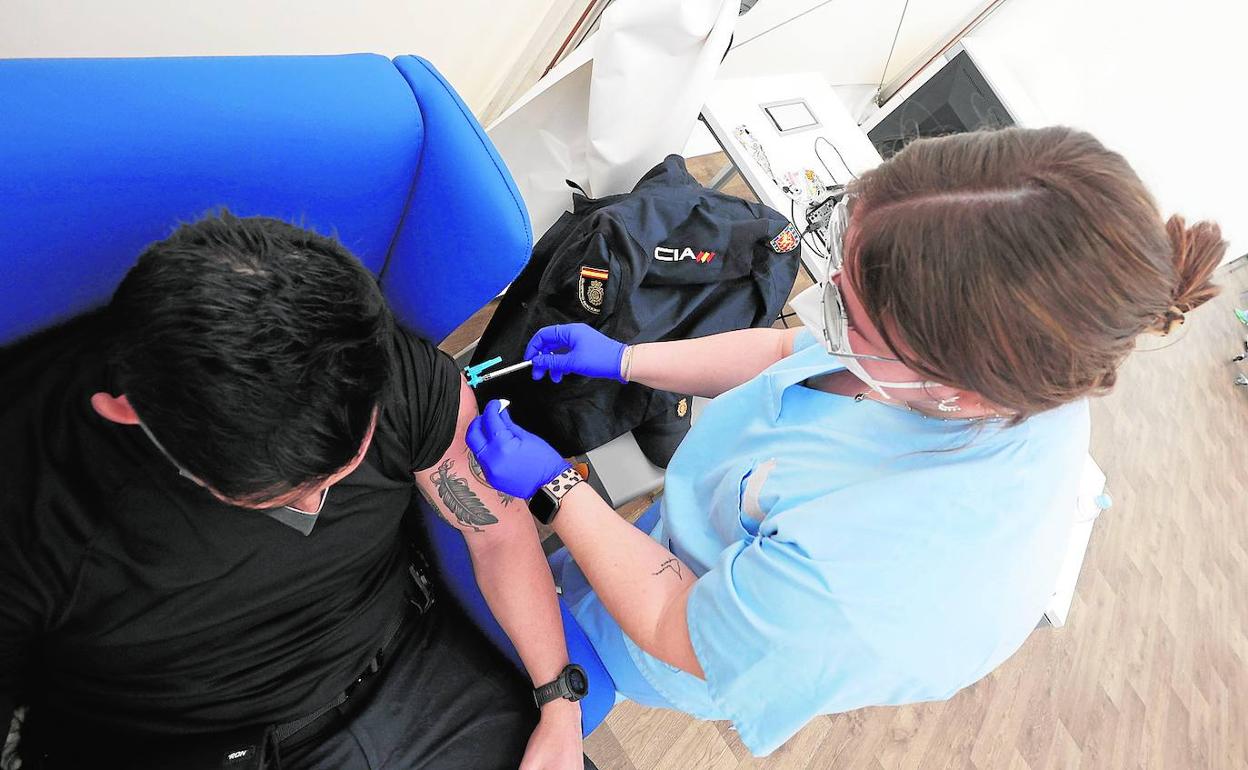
(871, 510)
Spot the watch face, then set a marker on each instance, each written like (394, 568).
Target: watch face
(578, 683)
(542, 507)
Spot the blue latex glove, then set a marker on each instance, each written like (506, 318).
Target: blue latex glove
(514, 460)
(574, 348)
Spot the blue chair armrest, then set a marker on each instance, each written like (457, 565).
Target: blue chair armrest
(451, 560)
(465, 234)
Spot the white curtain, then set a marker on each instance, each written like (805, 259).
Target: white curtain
(627, 98)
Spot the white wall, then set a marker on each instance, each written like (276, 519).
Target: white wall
(475, 43)
(1161, 82)
(847, 41)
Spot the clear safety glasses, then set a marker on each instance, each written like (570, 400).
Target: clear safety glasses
(836, 323)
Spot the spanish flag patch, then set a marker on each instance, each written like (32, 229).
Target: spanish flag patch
(591, 289)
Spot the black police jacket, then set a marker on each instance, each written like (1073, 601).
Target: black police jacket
(670, 260)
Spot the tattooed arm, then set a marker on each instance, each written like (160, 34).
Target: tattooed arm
(643, 586)
(514, 579)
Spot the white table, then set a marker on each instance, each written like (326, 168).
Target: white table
(739, 101)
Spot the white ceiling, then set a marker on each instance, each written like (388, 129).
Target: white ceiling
(846, 40)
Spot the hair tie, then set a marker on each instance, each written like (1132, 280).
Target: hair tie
(1174, 316)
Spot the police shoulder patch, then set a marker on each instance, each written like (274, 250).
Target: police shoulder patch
(787, 240)
(591, 289)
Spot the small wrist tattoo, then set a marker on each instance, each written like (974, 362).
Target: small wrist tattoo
(671, 565)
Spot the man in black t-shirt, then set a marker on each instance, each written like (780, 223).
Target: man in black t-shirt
(202, 527)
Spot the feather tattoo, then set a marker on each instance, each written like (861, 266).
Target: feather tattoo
(459, 499)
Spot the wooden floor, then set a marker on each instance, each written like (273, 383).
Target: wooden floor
(1151, 670)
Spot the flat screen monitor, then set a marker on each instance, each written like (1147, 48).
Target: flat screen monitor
(954, 100)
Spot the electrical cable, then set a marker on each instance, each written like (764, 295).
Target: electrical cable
(893, 47)
(819, 252)
(590, 28)
(781, 24)
(564, 45)
(838, 154)
(801, 234)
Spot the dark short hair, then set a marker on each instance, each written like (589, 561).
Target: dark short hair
(254, 350)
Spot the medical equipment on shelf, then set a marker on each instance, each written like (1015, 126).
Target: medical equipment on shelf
(802, 186)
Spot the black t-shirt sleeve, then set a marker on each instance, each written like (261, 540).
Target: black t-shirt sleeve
(423, 402)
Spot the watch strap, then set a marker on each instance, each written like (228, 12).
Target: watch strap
(551, 691)
(561, 687)
(560, 485)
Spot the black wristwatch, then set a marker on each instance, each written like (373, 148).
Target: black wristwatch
(545, 504)
(572, 684)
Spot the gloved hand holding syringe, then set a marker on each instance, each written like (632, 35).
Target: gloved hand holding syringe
(559, 350)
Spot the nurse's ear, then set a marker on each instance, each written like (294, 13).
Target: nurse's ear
(114, 408)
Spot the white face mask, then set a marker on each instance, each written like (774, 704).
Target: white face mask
(821, 310)
(193, 478)
(854, 365)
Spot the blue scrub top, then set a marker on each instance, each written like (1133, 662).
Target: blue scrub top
(848, 554)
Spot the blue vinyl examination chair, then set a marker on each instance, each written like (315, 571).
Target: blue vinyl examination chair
(99, 157)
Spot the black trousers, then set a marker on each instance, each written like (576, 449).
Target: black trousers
(444, 699)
